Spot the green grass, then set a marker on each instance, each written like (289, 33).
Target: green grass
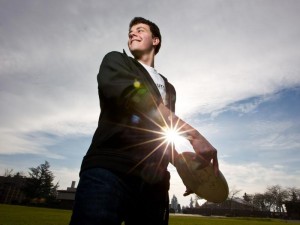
(21, 215)
(197, 220)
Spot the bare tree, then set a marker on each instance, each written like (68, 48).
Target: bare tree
(248, 198)
(259, 201)
(233, 193)
(277, 197)
(8, 173)
(293, 194)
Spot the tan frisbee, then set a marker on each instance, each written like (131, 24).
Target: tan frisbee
(202, 181)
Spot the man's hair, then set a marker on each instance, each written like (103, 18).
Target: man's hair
(153, 28)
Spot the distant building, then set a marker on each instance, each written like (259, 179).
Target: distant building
(234, 207)
(11, 189)
(234, 204)
(66, 198)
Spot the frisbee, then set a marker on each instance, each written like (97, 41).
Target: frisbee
(202, 181)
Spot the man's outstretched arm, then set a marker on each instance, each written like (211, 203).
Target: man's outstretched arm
(199, 143)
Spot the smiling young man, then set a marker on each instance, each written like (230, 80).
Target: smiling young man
(142, 43)
(124, 175)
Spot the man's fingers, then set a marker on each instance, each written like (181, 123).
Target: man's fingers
(204, 161)
(216, 164)
(187, 192)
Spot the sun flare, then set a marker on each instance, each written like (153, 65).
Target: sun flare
(175, 137)
(171, 135)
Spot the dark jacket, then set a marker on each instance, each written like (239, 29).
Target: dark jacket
(127, 139)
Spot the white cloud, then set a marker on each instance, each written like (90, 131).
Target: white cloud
(275, 135)
(232, 57)
(18, 143)
(256, 177)
(25, 118)
(64, 176)
(279, 142)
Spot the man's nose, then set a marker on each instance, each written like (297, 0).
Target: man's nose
(132, 34)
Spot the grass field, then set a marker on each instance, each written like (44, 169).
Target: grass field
(20, 215)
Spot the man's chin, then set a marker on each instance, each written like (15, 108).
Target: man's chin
(136, 53)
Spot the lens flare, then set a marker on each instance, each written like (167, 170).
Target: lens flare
(168, 135)
(171, 135)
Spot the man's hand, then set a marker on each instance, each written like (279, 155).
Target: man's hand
(201, 146)
(187, 192)
(206, 151)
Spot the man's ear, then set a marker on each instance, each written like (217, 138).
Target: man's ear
(155, 41)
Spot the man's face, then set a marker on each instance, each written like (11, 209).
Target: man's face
(141, 40)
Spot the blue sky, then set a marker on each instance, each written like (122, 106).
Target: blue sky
(235, 66)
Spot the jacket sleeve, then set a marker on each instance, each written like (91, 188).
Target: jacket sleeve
(119, 85)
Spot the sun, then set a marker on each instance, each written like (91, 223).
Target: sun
(175, 137)
(171, 135)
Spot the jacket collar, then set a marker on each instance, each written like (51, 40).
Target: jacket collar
(139, 69)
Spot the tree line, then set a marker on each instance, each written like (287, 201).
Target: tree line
(39, 184)
(272, 199)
